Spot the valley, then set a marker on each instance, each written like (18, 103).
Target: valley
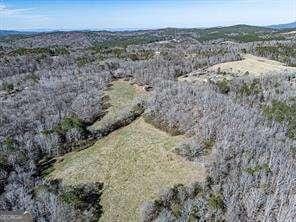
(149, 125)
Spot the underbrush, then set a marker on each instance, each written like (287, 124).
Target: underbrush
(77, 202)
(84, 198)
(283, 112)
(197, 202)
(192, 149)
(224, 86)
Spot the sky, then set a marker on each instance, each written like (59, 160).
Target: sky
(141, 14)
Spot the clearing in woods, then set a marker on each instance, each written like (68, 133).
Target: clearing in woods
(254, 65)
(120, 94)
(134, 163)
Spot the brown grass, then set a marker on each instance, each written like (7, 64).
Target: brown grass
(254, 65)
(134, 162)
(121, 94)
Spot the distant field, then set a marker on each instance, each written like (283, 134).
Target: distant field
(134, 163)
(252, 64)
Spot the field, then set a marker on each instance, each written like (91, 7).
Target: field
(252, 64)
(120, 94)
(135, 163)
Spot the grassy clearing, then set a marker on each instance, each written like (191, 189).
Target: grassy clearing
(253, 65)
(250, 65)
(121, 94)
(134, 163)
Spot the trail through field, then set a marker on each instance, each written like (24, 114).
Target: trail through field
(135, 163)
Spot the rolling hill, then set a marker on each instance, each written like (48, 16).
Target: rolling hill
(291, 25)
(14, 32)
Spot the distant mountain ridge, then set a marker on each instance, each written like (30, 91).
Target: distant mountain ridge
(4, 33)
(291, 25)
(83, 38)
(247, 32)
(241, 27)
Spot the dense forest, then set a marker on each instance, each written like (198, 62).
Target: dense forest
(52, 89)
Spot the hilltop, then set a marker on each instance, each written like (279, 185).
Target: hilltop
(291, 25)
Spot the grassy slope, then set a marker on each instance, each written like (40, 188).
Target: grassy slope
(121, 95)
(134, 162)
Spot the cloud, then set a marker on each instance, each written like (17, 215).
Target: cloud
(6, 11)
(24, 13)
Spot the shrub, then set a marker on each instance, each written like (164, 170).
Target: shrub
(84, 197)
(3, 162)
(253, 88)
(176, 209)
(82, 61)
(224, 86)
(8, 87)
(216, 202)
(283, 112)
(33, 77)
(69, 123)
(208, 144)
(141, 55)
(69, 129)
(9, 144)
(191, 149)
(257, 169)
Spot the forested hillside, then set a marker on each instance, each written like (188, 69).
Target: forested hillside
(63, 97)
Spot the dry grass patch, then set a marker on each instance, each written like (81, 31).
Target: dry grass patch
(253, 65)
(121, 94)
(134, 163)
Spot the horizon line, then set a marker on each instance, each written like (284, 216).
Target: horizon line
(133, 29)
